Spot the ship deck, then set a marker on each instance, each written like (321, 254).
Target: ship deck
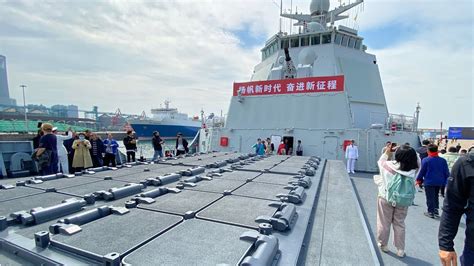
(334, 223)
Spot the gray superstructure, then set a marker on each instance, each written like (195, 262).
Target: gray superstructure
(323, 121)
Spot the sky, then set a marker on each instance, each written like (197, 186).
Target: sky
(134, 55)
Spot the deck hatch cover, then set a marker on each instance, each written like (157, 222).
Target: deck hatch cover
(194, 242)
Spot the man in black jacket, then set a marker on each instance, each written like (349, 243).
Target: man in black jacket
(459, 200)
(157, 146)
(130, 143)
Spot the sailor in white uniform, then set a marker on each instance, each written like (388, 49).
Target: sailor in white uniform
(62, 152)
(352, 154)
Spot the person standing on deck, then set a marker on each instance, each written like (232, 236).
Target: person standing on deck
(70, 151)
(269, 147)
(47, 151)
(299, 149)
(130, 142)
(451, 157)
(281, 148)
(406, 165)
(459, 200)
(63, 164)
(259, 147)
(96, 150)
(433, 174)
(181, 145)
(423, 150)
(352, 154)
(157, 142)
(111, 147)
(82, 157)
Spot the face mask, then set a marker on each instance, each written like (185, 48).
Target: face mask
(81, 137)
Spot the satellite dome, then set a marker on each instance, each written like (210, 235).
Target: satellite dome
(318, 7)
(315, 27)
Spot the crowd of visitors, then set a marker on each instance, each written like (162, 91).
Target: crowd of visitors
(72, 152)
(266, 146)
(401, 169)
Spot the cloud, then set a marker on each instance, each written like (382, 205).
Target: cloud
(135, 54)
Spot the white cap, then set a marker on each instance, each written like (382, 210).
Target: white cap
(55, 129)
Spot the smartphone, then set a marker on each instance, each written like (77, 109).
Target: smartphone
(394, 146)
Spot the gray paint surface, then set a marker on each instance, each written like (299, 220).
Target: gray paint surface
(261, 190)
(238, 210)
(180, 203)
(17, 192)
(337, 236)
(100, 236)
(194, 242)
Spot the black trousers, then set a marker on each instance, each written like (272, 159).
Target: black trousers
(432, 200)
(299, 153)
(109, 158)
(130, 155)
(97, 160)
(442, 190)
(70, 157)
(178, 152)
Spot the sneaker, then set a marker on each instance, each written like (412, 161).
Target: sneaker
(401, 253)
(383, 248)
(429, 214)
(353, 172)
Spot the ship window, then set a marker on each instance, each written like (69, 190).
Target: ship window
(326, 38)
(295, 42)
(351, 42)
(357, 44)
(345, 40)
(338, 39)
(315, 40)
(304, 41)
(285, 44)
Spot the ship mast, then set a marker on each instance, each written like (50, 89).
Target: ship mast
(319, 13)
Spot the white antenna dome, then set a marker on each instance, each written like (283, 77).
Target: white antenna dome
(318, 7)
(315, 27)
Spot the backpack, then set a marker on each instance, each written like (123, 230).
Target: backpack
(401, 191)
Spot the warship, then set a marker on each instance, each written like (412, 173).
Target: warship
(318, 85)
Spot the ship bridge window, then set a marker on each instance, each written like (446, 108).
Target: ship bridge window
(295, 42)
(285, 44)
(315, 40)
(351, 42)
(304, 41)
(326, 38)
(357, 44)
(274, 47)
(345, 40)
(338, 38)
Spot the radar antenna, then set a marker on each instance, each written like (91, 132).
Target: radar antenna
(321, 14)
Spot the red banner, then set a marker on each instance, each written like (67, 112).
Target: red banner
(290, 86)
